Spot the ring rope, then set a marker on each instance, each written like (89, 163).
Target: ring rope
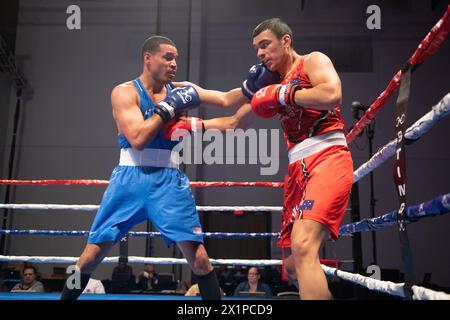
(133, 259)
(437, 206)
(96, 182)
(144, 234)
(152, 260)
(91, 207)
(396, 289)
(412, 134)
(141, 233)
(426, 48)
(434, 207)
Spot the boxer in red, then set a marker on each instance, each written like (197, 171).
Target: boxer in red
(320, 172)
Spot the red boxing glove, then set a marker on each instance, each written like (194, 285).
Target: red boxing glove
(268, 101)
(181, 127)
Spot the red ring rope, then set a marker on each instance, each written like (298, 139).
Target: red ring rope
(93, 182)
(426, 48)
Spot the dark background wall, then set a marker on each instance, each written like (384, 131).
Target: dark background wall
(68, 132)
(8, 28)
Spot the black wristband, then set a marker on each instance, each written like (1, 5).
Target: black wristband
(162, 113)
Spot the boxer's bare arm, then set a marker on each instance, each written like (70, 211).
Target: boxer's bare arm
(326, 91)
(241, 119)
(231, 99)
(129, 119)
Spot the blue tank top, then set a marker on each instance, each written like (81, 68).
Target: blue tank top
(147, 108)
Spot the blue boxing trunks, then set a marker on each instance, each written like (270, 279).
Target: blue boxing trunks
(147, 185)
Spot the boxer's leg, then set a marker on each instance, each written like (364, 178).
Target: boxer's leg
(307, 239)
(91, 257)
(197, 257)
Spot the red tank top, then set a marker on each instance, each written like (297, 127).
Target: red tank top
(300, 123)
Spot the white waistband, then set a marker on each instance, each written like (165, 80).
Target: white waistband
(315, 144)
(149, 158)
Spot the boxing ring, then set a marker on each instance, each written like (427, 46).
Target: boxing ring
(434, 207)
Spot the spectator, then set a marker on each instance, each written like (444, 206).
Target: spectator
(122, 280)
(29, 282)
(253, 284)
(94, 286)
(148, 279)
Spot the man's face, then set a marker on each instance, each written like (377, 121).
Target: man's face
(150, 269)
(270, 50)
(253, 275)
(28, 276)
(162, 63)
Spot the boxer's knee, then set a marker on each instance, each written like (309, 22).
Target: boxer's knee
(306, 239)
(289, 266)
(291, 273)
(87, 263)
(92, 256)
(202, 265)
(302, 248)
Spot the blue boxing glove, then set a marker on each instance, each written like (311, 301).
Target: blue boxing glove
(177, 101)
(258, 77)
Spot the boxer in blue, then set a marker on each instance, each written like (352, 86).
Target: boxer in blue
(147, 183)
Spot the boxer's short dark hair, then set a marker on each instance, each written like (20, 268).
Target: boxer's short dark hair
(152, 44)
(276, 25)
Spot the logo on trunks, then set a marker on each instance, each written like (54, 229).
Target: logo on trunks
(197, 230)
(306, 205)
(297, 211)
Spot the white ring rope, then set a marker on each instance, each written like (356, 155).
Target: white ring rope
(134, 259)
(421, 293)
(414, 132)
(90, 207)
(395, 289)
